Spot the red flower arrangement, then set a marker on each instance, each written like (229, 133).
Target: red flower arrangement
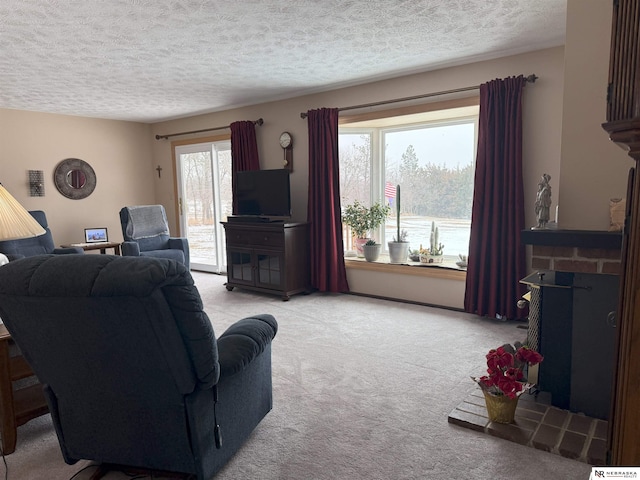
(505, 370)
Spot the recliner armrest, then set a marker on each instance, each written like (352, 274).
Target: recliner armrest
(181, 243)
(130, 249)
(243, 341)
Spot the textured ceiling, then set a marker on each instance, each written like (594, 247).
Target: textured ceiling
(153, 60)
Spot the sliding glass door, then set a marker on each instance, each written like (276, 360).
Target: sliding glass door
(204, 196)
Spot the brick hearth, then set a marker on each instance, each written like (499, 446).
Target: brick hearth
(539, 425)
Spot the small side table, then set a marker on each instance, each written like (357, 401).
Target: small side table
(102, 246)
(18, 406)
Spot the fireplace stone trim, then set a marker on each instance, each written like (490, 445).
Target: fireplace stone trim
(583, 251)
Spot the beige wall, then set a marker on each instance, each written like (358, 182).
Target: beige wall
(593, 169)
(119, 152)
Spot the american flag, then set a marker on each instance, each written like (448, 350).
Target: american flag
(389, 190)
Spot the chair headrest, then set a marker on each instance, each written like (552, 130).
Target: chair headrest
(40, 217)
(146, 221)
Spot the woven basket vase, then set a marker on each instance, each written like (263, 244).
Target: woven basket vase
(500, 409)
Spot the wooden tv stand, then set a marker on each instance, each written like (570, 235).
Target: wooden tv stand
(269, 257)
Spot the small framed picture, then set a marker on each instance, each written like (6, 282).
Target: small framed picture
(95, 235)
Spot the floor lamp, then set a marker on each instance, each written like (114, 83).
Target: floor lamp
(15, 221)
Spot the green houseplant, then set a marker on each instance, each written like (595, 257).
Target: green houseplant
(363, 219)
(398, 247)
(371, 250)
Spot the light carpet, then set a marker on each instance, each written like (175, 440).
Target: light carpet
(362, 389)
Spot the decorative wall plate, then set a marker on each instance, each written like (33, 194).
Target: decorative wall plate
(74, 178)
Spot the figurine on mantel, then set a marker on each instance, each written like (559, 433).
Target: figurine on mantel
(543, 202)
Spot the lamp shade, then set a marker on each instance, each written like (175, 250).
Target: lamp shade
(15, 221)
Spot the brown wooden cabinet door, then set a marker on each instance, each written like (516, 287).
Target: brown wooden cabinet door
(269, 269)
(240, 265)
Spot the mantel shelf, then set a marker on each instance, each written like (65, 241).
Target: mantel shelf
(573, 238)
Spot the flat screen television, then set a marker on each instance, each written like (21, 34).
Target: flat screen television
(263, 193)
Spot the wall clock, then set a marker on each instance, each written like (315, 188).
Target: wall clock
(286, 142)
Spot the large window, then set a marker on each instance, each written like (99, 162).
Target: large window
(431, 157)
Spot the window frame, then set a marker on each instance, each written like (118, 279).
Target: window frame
(373, 123)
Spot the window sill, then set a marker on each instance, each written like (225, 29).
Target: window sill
(447, 270)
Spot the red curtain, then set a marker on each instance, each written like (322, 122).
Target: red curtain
(497, 260)
(244, 151)
(328, 273)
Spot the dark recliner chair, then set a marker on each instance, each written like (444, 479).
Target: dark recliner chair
(40, 245)
(131, 368)
(146, 233)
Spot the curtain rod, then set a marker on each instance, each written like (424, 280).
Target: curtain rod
(531, 78)
(158, 137)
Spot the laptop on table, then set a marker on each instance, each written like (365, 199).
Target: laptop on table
(96, 235)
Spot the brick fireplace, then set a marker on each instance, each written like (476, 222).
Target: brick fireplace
(574, 295)
(574, 250)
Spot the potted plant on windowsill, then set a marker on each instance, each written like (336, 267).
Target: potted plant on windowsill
(371, 250)
(362, 220)
(433, 254)
(398, 247)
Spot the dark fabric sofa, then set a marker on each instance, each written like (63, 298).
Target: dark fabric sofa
(130, 363)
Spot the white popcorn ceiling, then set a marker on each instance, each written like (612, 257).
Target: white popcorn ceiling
(153, 60)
